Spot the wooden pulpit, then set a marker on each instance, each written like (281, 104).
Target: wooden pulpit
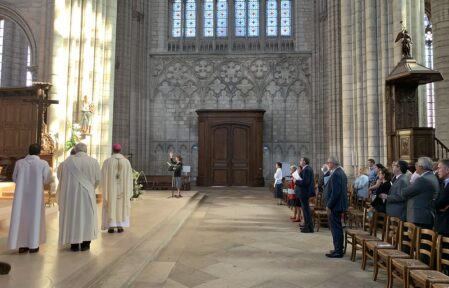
(405, 139)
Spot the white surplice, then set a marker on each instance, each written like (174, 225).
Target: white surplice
(78, 176)
(116, 185)
(27, 228)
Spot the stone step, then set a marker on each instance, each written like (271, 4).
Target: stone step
(123, 271)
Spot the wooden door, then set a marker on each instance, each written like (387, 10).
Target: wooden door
(230, 147)
(230, 155)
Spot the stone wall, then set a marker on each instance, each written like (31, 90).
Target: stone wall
(280, 84)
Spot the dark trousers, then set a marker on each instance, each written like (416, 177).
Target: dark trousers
(308, 224)
(334, 219)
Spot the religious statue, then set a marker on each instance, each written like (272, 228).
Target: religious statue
(47, 142)
(406, 42)
(87, 109)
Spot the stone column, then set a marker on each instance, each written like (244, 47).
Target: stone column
(440, 22)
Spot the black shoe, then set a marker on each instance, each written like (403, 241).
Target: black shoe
(85, 246)
(75, 247)
(4, 268)
(35, 250)
(306, 231)
(334, 255)
(120, 230)
(111, 230)
(23, 250)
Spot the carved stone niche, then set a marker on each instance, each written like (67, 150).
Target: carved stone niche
(402, 108)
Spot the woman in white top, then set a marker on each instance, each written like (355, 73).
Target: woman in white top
(278, 183)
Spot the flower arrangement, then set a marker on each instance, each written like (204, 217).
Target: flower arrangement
(136, 185)
(74, 138)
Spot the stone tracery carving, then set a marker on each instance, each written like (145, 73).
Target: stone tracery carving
(183, 84)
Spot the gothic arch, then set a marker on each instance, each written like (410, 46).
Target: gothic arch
(13, 15)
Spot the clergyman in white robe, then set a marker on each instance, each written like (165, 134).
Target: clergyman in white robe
(116, 185)
(78, 176)
(27, 227)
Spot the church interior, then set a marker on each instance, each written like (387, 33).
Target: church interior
(233, 86)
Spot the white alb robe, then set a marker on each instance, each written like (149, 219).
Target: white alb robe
(78, 176)
(116, 185)
(27, 228)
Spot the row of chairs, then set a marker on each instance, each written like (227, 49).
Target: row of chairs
(415, 256)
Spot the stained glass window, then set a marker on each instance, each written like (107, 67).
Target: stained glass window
(286, 18)
(208, 18)
(222, 18)
(272, 18)
(253, 18)
(190, 18)
(430, 88)
(177, 19)
(240, 18)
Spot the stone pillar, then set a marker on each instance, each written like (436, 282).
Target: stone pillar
(83, 62)
(440, 22)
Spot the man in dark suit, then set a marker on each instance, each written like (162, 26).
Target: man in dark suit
(306, 189)
(336, 205)
(442, 201)
(420, 194)
(396, 205)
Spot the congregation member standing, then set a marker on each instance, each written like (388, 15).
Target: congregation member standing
(361, 184)
(116, 185)
(372, 173)
(419, 194)
(337, 204)
(306, 189)
(27, 228)
(442, 201)
(78, 176)
(384, 189)
(177, 170)
(395, 206)
(278, 194)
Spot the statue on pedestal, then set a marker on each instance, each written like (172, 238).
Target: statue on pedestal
(406, 42)
(87, 109)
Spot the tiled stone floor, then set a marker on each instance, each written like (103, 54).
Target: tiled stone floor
(239, 237)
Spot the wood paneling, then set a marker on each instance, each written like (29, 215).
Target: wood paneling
(18, 126)
(230, 148)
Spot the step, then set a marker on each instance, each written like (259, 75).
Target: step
(123, 271)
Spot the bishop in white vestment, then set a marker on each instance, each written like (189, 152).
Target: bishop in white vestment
(78, 176)
(116, 185)
(27, 228)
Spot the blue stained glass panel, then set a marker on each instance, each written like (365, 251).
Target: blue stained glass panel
(286, 18)
(176, 19)
(272, 18)
(208, 18)
(253, 18)
(222, 18)
(240, 18)
(190, 30)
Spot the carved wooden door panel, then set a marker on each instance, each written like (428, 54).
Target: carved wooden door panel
(230, 155)
(17, 126)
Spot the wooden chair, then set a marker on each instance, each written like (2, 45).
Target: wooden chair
(425, 245)
(406, 242)
(440, 285)
(425, 278)
(354, 215)
(379, 225)
(319, 212)
(366, 229)
(391, 241)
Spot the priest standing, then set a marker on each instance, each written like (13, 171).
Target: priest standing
(27, 228)
(117, 188)
(78, 176)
